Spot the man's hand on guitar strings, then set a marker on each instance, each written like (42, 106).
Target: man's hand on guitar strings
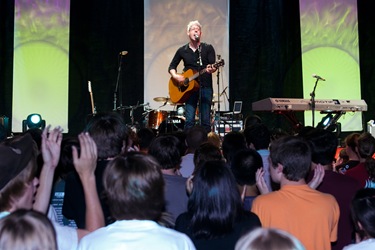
(179, 78)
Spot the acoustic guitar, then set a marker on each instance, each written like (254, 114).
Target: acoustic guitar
(179, 92)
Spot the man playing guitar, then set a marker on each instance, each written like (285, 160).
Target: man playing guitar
(198, 57)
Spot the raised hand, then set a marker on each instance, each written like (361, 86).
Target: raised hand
(51, 146)
(85, 162)
(260, 182)
(318, 177)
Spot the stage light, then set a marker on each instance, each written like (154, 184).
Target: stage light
(33, 121)
(330, 122)
(326, 120)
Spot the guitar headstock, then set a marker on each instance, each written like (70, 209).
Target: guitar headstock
(219, 63)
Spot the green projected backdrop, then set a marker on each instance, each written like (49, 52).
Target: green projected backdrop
(329, 37)
(41, 60)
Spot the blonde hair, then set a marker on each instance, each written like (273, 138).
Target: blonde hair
(268, 239)
(192, 23)
(15, 189)
(27, 230)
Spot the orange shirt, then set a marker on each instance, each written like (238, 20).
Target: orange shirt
(309, 215)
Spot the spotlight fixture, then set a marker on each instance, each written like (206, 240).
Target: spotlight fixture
(33, 121)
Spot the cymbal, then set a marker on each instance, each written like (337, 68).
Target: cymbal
(161, 99)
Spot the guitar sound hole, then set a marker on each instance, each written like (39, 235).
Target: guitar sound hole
(186, 82)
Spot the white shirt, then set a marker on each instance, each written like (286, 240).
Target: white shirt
(135, 234)
(363, 245)
(67, 237)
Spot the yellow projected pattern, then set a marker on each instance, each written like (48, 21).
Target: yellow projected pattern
(329, 38)
(41, 62)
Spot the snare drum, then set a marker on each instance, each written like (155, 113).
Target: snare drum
(155, 117)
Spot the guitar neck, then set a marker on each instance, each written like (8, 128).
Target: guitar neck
(197, 74)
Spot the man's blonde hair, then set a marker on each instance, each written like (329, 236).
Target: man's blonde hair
(195, 22)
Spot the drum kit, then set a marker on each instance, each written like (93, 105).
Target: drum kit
(166, 121)
(163, 120)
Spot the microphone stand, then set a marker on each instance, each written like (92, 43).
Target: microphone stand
(200, 83)
(312, 100)
(117, 86)
(218, 97)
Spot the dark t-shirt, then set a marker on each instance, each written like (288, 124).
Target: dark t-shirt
(343, 188)
(245, 222)
(175, 195)
(191, 61)
(74, 206)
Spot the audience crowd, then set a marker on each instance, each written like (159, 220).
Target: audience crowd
(251, 189)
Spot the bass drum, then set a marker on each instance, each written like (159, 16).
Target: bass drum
(172, 124)
(156, 117)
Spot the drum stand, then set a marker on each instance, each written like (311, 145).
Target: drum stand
(169, 122)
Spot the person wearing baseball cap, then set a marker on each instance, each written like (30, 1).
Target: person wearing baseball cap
(21, 189)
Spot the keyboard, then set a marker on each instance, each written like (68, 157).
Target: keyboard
(297, 104)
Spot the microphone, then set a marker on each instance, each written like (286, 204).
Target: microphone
(318, 77)
(123, 53)
(196, 37)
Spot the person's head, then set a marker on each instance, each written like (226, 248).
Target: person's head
(323, 146)
(343, 157)
(145, 137)
(214, 202)
(363, 213)
(109, 132)
(292, 156)
(194, 28)
(351, 140)
(206, 152)
(366, 145)
(195, 136)
(27, 230)
(165, 149)
(244, 166)
(232, 143)
(252, 120)
(351, 144)
(258, 136)
(18, 167)
(134, 187)
(214, 138)
(268, 239)
(366, 149)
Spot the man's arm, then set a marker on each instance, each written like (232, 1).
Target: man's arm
(51, 148)
(85, 165)
(173, 66)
